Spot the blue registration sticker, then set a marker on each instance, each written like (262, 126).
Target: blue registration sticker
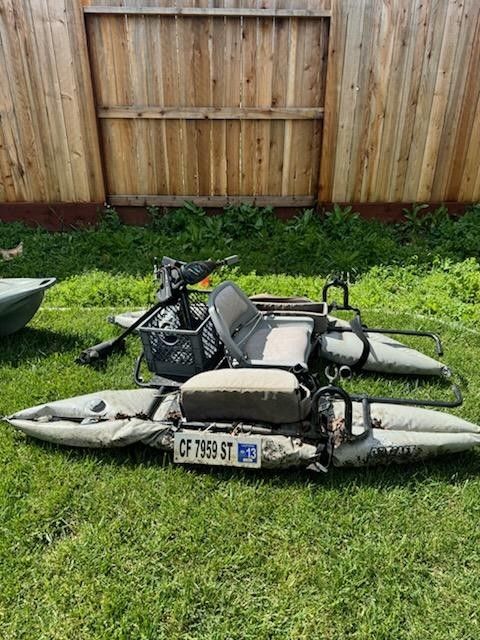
(247, 453)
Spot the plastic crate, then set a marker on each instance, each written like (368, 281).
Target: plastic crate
(171, 348)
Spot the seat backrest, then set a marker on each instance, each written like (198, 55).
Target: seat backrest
(230, 309)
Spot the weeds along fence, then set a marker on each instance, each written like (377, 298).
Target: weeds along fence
(281, 102)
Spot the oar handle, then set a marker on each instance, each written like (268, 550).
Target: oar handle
(100, 351)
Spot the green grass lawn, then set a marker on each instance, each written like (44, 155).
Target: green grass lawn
(123, 544)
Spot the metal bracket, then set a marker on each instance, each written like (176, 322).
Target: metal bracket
(338, 283)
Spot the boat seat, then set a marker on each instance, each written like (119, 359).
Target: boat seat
(253, 339)
(260, 395)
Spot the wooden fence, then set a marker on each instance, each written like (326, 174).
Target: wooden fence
(402, 121)
(281, 101)
(209, 102)
(49, 148)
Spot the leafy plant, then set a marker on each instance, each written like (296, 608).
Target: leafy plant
(243, 219)
(339, 220)
(156, 218)
(183, 218)
(109, 218)
(341, 216)
(415, 220)
(304, 222)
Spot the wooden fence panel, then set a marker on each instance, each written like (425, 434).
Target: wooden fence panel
(217, 105)
(235, 101)
(48, 144)
(402, 103)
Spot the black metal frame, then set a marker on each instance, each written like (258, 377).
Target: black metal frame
(332, 391)
(338, 283)
(415, 402)
(399, 332)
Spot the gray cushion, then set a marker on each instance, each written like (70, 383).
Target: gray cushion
(259, 395)
(285, 345)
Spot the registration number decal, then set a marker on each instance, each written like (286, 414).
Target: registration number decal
(217, 449)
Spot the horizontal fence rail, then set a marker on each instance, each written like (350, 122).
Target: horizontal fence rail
(212, 201)
(212, 113)
(245, 12)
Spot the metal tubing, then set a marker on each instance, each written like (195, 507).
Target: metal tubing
(415, 402)
(400, 332)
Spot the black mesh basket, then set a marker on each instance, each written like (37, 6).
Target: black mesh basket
(180, 338)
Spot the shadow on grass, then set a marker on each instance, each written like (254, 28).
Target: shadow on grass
(31, 343)
(454, 469)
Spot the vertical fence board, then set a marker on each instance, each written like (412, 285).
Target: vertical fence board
(381, 66)
(460, 83)
(170, 57)
(407, 78)
(14, 174)
(348, 98)
(359, 150)
(188, 49)
(287, 179)
(435, 34)
(278, 99)
(202, 91)
(264, 49)
(315, 76)
(218, 95)
(50, 150)
(408, 108)
(75, 24)
(440, 98)
(394, 97)
(233, 43)
(301, 132)
(156, 94)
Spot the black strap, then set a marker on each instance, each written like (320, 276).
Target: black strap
(323, 456)
(357, 329)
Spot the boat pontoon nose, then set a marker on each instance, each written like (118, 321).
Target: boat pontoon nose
(20, 299)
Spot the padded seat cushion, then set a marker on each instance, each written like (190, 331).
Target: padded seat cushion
(285, 345)
(258, 395)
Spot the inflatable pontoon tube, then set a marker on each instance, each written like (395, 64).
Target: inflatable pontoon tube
(386, 354)
(118, 418)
